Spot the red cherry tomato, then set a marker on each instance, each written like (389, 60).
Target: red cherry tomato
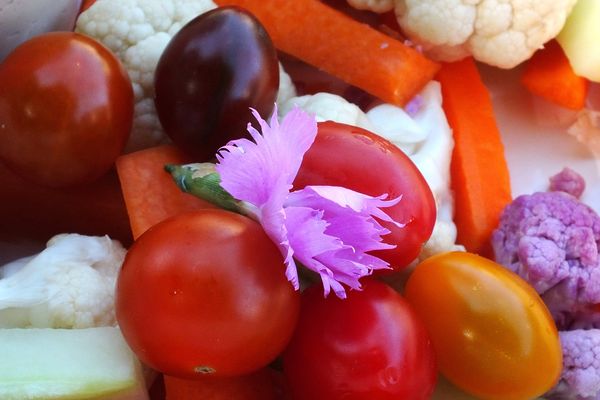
(66, 109)
(492, 333)
(352, 157)
(368, 346)
(205, 293)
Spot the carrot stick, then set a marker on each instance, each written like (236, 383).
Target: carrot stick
(480, 177)
(549, 74)
(150, 193)
(354, 52)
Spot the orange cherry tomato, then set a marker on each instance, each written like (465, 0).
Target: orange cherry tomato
(492, 334)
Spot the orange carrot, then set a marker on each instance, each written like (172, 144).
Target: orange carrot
(150, 193)
(549, 74)
(480, 177)
(352, 51)
(256, 386)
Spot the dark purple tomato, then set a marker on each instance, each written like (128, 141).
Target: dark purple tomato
(214, 69)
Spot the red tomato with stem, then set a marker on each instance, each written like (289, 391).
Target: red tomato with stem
(66, 109)
(370, 345)
(357, 159)
(205, 293)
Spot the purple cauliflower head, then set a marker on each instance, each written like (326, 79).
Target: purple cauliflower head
(551, 240)
(568, 181)
(580, 378)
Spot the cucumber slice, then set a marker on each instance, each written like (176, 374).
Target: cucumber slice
(65, 364)
(580, 39)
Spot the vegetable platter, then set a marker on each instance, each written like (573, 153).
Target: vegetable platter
(317, 199)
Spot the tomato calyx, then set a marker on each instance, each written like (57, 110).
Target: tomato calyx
(205, 370)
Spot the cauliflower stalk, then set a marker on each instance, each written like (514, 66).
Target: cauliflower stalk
(502, 33)
(70, 284)
(422, 133)
(138, 31)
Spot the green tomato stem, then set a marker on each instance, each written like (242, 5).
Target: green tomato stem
(203, 181)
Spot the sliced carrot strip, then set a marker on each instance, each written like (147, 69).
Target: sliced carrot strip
(352, 51)
(549, 74)
(480, 176)
(150, 193)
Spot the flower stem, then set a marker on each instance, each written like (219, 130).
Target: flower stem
(203, 181)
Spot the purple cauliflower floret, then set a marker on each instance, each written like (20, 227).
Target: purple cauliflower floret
(568, 181)
(551, 240)
(580, 379)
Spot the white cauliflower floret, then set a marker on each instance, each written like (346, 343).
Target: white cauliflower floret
(286, 90)
(502, 33)
(70, 284)
(138, 31)
(328, 107)
(443, 239)
(394, 124)
(427, 139)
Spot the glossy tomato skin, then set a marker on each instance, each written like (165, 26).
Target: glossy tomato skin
(368, 346)
(259, 385)
(214, 69)
(66, 109)
(492, 333)
(355, 158)
(205, 293)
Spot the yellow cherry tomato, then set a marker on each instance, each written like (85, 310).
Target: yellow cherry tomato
(492, 333)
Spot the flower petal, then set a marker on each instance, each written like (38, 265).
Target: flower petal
(328, 229)
(257, 171)
(357, 201)
(308, 239)
(273, 221)
(349, 214)
(318, 250)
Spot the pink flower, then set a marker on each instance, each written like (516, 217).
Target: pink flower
(328, 229)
